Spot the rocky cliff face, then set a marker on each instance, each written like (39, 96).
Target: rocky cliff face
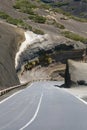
(76, 73)
(57, 47)
(9, 39)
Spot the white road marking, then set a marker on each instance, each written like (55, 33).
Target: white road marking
(10, 97)
(81, 100)
(35, 115)
(76, 96)
(4, 100)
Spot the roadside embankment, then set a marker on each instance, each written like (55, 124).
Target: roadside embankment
(10, 39)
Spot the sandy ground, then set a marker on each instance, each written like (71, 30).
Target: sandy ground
(79, 91)
(42, 73)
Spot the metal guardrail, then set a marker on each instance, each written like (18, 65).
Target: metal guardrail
(4, 91)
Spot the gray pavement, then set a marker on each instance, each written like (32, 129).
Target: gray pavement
(42, 106)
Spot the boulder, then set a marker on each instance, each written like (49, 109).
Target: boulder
(76, 73)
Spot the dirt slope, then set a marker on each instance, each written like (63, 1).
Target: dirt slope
(9, 39)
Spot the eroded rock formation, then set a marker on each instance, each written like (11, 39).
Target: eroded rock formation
(76, 73)
(58, 47)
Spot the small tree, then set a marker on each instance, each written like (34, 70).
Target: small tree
(49, 60)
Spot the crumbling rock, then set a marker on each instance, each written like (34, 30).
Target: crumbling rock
(76, 73)
(52, 45)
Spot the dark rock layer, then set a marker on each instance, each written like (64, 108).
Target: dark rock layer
(59, 50)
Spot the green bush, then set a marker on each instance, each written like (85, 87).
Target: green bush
(14, 21)
(59, 4)
(25, 6)
(74, 36)
(78, 19)
(45, 59)
(23, 3)
(28, 11)
(3, 15)
(26, 26)
(17, 22)
(45, 6)
(29, 27)
(49, 60)
(58, 25)
(55, 23)
(11, 20)
(37, 18)
(28, 7)
(38, 31)
(30, 65)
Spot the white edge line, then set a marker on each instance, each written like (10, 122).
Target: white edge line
(35, 115)
(4, 100)
(76, 96)
(79, 98)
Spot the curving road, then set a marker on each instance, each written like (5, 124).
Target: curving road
(42, 106)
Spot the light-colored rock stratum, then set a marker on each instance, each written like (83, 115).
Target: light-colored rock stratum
(76, 72)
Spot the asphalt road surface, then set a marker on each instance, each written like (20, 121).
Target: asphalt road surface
(42, 106)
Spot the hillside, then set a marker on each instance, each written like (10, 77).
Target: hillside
(10, 37)
(75, 7)
(53, 37)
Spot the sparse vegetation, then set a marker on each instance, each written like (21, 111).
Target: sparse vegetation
(49, 60)
(38, 31)
(19, 23)
(45, 6)
(29, 8)
(55, 23)
(35, 30)
(27, 26)
(31, 64)
(14, 21)
(58, 25)
(25, 6)
(37, 18)
(74, 36)
(69, 15)
(3, 15)
(45, 59)
(59, 4)
(11, 20)
(78, 19)
(28, 66)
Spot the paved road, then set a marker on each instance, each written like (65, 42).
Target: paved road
(42, 106)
